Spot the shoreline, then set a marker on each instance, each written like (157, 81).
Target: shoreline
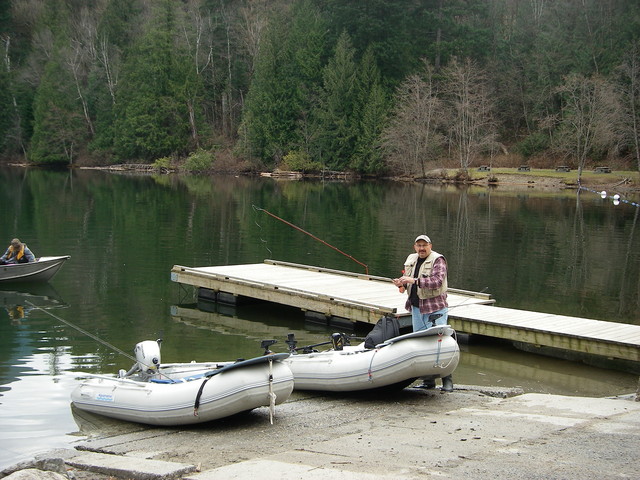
(545, 179)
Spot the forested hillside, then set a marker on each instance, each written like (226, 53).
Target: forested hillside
(370, 86)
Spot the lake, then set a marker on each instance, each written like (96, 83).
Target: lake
(532, 249)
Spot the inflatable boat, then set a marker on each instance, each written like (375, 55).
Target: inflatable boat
(185, 393)
(397, 362)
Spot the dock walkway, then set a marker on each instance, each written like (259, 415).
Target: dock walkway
(332, 293)
(356, 297)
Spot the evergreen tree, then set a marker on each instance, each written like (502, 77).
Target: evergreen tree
(277, 115)
(387, 27)
(6, 105)
(370, 113)
(151, 111)
(368, 155)
(155, 78)
(115, 36)
(335, 114)
(7, 120)
(59, 131)
(268, 124)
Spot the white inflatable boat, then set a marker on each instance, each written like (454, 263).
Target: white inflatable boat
(431, 353)
(185, 393)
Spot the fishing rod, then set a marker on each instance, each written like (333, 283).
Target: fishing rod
(84, 332)
(467, 299)
(338, 340)
(366, 267)
(117, 350)
(136, 361)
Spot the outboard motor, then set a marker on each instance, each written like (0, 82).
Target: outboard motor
(147, 356)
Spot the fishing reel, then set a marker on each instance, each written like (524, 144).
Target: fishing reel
(292, 342)
(266, 344)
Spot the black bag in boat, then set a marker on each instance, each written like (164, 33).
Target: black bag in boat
(386, 328)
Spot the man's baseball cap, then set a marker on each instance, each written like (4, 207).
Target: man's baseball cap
(422, 237)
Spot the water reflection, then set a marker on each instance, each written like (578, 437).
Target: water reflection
(493, 364)
(257, 323)
(628, 273)
(532, 249)
(20, 300)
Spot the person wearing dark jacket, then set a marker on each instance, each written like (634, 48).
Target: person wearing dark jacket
(17, 252)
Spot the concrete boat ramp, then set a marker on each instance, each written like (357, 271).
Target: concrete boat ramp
(472, 433)
(336, 296)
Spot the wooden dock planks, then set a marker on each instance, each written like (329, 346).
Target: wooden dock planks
(596, 337)
(365, 298)
(332, 293)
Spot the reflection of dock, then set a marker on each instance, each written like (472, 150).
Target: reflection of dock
(363, 298)
(226, 325)
(530, 373)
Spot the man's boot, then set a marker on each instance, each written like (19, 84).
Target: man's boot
(427, 384)
(447, 384)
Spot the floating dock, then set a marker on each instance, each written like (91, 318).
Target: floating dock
(335, 295)
(319, 292)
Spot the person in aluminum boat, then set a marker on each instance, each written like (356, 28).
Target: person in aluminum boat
(17, 252)
(425, 281)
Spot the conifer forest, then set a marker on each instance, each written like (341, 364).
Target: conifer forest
(374, 87)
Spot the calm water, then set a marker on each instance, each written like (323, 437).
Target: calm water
(544, 251)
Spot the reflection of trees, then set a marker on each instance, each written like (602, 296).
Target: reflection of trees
(462, 228)
(627, 273)
(543, 253)
(577, 265)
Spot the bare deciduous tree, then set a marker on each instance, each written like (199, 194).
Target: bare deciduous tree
(75, 59)
(630, 100)
(472, 127)
(251, 29)
(197, 35)
(412, 135)
(81, 54)
(109, 60)
(15, 132)
(590, 113)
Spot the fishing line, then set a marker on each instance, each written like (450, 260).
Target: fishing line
(90, 335)
(366, 267)
(263, 241)
(467, 299)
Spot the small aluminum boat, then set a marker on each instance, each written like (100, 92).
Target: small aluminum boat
(42, 270)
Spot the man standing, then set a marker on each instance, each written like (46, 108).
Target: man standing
(425, 280)
(17, 252)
